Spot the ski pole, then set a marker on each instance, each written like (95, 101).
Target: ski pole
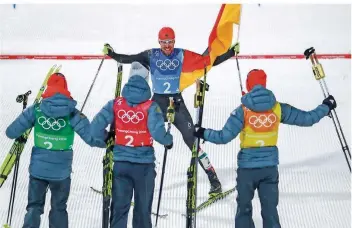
(238, 68)
(237, 51)
(170, 114)
(319, 76)
(91, 86)
(22, 98)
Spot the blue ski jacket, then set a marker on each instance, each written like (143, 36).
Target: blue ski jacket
(258, 100)
(48, 164)
(135, 91)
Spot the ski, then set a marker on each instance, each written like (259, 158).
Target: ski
(191, 201)
(18, 146)
(160, 215)
(132, 204)
(214, 199)
(108, 159)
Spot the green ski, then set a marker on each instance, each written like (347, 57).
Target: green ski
(214, 199)
(108, 159)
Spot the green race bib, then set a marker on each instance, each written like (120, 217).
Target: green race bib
(52, 133)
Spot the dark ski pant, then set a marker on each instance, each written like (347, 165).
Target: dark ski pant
(129, 178)
(37, 189)
(266, 180)
(183, 120)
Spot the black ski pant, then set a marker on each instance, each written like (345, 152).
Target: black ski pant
(183, 121)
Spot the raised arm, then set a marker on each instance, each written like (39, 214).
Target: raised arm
(295, 116)
(222, 58)
(142, 57)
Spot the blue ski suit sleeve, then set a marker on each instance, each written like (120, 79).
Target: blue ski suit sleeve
(81, 126)
(290, 115)
(101, 120)
(23, 122)
(156, 125)
(294, 116)
(232, 128)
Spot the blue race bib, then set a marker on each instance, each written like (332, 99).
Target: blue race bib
(166, 71)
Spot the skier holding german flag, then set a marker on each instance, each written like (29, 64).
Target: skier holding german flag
(174, 69)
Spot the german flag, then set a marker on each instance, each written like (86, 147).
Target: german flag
(220, 40)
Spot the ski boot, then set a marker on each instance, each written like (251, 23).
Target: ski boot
(215, 185)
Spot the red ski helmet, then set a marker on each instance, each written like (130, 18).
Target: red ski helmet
(255, 77)
(56, 84)
(166, 33)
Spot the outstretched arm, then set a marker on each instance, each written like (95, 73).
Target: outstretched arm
(101, 120)
(81, 126)
(222, 58)
(194, 64)
(142, 58)
(231, 129)
(294, 116)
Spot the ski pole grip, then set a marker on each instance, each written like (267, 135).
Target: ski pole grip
(202, 86)
(309, 52)
(20, 98)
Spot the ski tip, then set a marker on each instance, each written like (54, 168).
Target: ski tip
(161, 216)
(57, 70)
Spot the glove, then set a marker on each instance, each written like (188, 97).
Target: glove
(21, 139)
(107, 50)
(169, 146)
(330, 102)
(199, 132)
(236, 48)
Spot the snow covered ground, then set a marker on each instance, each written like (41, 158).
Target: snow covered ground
(314, 178)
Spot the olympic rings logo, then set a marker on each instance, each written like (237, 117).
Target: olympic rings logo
(51, 123)
(130, 116)
(167, 64)
(262, 120)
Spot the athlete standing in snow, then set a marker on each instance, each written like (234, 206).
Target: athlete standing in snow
(55, 122)
(165, 64)
(138, 121)
(257, 120)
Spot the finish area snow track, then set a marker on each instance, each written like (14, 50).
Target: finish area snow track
(314, 178)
